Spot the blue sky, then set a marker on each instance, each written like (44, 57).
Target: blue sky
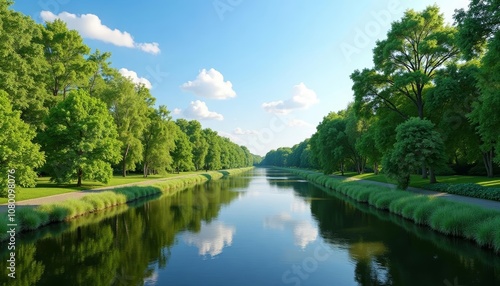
(263, 73)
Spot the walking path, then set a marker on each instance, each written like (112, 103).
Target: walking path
(79, 194)
(489, 204)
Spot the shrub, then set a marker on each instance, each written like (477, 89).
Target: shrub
(30, 219)
(469, 189)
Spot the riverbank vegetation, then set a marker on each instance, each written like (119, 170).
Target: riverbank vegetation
(66, 113)
(451, 218)
(29, 218)
(428, 106)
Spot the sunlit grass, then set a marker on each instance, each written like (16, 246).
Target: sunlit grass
(45, 188)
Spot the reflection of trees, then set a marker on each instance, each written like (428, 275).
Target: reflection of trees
(386, 254)
(119, 250)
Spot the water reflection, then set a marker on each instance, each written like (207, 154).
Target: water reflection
(303, 231)
(212, 238)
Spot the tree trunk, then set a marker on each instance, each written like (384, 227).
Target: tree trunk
(432, 176)
(145, 170)
(488, 162)
(124, 163)
(375, 168)
(79, 182)
(342, 168)
(424, 172)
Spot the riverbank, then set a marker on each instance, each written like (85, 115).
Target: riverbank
(448, 217)
(31, 218)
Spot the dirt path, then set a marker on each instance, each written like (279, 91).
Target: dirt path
(488, 204)
(79, 194)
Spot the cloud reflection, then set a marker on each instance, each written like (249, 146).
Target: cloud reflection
(212, 238)
(303, 231)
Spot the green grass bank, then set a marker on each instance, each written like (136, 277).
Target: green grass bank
(28, 219)
(450, 218)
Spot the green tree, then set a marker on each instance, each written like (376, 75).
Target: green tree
(158, 141)
(182, 154)
(213, 158)
(23, 65)
(65, 52)
(417, 143)
(405, 65)
(200, 146)
(81, 140)
(16, 148)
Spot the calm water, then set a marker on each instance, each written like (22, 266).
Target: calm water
(264, 228)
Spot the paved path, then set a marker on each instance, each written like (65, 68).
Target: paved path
(79, 194)
(489, 204)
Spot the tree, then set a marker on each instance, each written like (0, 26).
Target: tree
(158, 141)
(199, 144)
(182, 153)
(81, 141)
(405, 65)
(129, 105)
(417, 143)
(17, 152)
(22, 65)
(213, 158)
(65, 52)
(479, 33)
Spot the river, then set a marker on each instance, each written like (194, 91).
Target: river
(265, 227)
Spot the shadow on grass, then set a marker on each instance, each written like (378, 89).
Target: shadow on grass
(224, 173)
(207, 176)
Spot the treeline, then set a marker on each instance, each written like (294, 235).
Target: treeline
(429, 105)
(65, 112)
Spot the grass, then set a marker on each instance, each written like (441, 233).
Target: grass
(28, 218)
(447, 217)
(45, 188)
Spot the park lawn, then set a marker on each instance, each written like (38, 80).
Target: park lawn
(46, 188)
(417, 181)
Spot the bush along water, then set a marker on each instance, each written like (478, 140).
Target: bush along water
(450, 218)
(28, 218)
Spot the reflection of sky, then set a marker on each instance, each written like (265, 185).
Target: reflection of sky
(303, 231)
(299, 206)
(151, 280)
(212, 238)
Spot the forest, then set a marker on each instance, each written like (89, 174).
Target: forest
(429, 105)
(65, 112)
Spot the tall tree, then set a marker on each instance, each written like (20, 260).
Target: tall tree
(199, 144)
(17, 151)
(182, 153)
(65, 52)
(22, 65)
(405, 65)
(158, 141)
(213, 158)
(81, 140)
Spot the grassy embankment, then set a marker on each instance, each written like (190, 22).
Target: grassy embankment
(46, 188)
(451, 218)
(471, 186)
(33, 218)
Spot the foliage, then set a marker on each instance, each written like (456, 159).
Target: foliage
(416, 144)
(17, 151)
(86, 140)
(470, 190)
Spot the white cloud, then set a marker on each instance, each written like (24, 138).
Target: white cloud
(90, 26)
(298, 123)
(177, 111)
(212, 238)
(199, 110)
(302, 97)
(239, 131)
(303, 231)
(210, 84)
(132, 75)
